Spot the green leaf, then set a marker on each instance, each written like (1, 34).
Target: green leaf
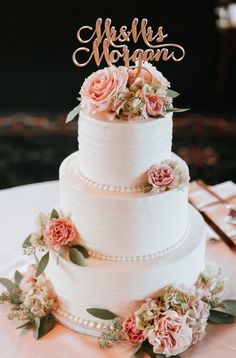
(136, 350)
(27, 242)
(172, 94)
(147, 188)
(178, 110)
(36, 325)
(72, 114)
(26, 325)
(18, 277)
(42, 264)
(81, 249)
(229, 306)
(43, 325)
(101, 313)
(10, 286)
(76, 257)
(148, 348)
(219, 317)
(54, 214)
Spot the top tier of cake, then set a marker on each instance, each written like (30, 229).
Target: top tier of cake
(119, 153)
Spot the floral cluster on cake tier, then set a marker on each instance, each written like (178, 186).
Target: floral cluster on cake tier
(128, 94)
(166, 176)
(174, 320)
(56, 233)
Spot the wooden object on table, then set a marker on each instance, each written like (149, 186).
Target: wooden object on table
(227, 240)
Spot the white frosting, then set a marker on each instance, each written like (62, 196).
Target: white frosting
(118, 153)
(123, 224)
(160, 253)
(118, 285)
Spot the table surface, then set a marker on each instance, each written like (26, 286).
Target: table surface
(19, 207)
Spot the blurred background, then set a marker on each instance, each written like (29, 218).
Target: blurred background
(39, 83)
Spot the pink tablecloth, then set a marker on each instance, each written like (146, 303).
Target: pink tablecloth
(18, 209)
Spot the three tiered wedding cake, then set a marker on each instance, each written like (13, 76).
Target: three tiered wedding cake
(122, 256)
(128, 197)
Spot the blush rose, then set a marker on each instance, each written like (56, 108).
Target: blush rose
(99, 90)
(171, 335)
(59, 232)
(132, 333)
(162, 178)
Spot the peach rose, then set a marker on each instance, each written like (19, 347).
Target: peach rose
(100, 89)
(171, 335)
(59, 232)
(28, 278)
(132, 333)
(150, 75)
(162, 178)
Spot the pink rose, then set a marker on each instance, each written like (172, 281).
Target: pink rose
(132, 333)
(59, 232)
(28, 278)
(162, 178)
(100, 89)
(171, 335)
(155, 105)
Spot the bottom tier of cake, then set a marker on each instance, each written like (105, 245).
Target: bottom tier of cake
(118, 286)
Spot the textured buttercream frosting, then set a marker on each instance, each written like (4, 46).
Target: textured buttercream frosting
(118, 153)
(123, 223)
(118, 286)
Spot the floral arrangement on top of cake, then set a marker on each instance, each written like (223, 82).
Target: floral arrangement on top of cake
(126, 93)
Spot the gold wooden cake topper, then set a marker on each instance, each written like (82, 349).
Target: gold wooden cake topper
(110, 44)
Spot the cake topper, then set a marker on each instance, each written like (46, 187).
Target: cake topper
(110, 44)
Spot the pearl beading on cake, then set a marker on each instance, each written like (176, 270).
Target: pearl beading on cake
(160, 253)
(79, 320)
(107, 187)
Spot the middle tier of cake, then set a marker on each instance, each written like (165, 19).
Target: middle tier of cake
(123, 226)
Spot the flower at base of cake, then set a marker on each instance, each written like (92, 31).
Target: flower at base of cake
(171, 335)
(190, 304)
(119, 92)
(56, 233)
(32, 301)
(173, 320)
(165, 176)
(210, 285)
(132, 333)
(37, 293)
